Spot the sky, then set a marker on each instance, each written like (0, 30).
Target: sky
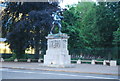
(62, 4)
(69, 2)
(66, 2)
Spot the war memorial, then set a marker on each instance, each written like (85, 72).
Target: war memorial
(57, 54)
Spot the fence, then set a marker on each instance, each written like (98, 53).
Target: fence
(105, 62)
(21, 60)
(95, 53)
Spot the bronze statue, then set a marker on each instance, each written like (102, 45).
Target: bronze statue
(57, 21)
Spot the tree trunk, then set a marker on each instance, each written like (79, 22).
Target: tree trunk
(37, 46)
(36, 52)
(20, 54)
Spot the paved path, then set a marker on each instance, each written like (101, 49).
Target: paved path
(78, 68)
(36, 74)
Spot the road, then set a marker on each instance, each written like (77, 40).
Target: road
(37, 74)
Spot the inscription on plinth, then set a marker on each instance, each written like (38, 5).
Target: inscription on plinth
(53, 43)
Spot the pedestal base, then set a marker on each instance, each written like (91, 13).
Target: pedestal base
(58, 66)
(56, 59)
(57, 54)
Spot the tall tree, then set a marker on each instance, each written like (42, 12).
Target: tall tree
(91, 26)
(116, 43)
(106, 22)
(20, 39)
(34, 18)
(79, 23)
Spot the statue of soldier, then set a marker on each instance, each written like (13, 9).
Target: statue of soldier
(57, 21)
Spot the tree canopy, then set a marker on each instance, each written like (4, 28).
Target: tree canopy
(91, 27)
(26, 25)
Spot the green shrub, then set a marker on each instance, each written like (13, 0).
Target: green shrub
(9, 59)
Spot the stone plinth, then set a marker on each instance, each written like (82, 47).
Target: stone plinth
(57, 54)
(113, 63)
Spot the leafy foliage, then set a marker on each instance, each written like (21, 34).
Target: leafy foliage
(91, 28)
(26, 25)
(20, 39)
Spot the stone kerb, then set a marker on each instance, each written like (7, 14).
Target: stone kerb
(28, 60)
(113, 63)
(16, 60)
(1, 60)
(93, 62)
(79, 62)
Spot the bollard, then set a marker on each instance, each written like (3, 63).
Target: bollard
(29, 60)
(104, 62)
(93, 62)
(113, 63)
(1, 60)
(16, 60)
(39, 60)
(78, 61)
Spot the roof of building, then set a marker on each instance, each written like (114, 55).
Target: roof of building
(2, 39)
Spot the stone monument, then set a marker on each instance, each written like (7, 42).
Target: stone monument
(57, 54)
